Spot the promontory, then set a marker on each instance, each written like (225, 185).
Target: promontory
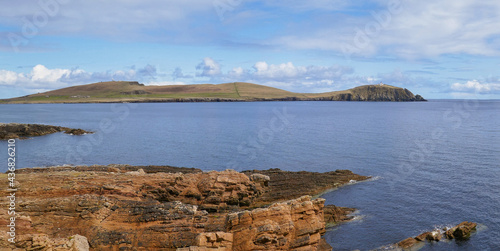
(125, 91)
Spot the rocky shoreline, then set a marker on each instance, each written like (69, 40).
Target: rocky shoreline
(121, 207)
(460, 232)
(23, 131)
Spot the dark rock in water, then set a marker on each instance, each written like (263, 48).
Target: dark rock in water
(434, 236)
(407, 243)
(75, 131)
(462, 231)
(422, 236)
(15, 130)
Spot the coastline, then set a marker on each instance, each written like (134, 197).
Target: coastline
(99, 202)
(134, 92)
(198, 100)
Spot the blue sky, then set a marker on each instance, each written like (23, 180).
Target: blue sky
(439, 49)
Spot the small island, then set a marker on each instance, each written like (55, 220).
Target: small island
(22, 131)
(125, 91)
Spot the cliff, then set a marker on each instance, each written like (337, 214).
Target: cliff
(165, 208)
(373, 93)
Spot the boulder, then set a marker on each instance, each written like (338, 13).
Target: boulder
(462, 231)
(407, 243)
(435, 235)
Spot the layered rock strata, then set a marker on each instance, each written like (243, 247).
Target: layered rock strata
(166, 208)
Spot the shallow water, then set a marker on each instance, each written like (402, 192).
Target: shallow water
(436, 163)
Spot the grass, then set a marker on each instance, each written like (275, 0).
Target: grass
(173, 95)
(50, 98)
(113, 92)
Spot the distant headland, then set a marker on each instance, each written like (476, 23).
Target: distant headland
(125, 91)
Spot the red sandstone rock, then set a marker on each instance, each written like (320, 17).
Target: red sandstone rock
(407, 243)
(462, 231)
(121, 207)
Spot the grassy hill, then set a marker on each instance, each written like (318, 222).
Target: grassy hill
(124, 91)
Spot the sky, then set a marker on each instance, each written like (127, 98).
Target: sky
(439, 49)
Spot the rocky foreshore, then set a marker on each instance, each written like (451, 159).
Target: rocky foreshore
(460, 232)
(15, 130)
(121, 207)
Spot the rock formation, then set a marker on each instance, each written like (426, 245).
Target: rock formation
(373, 93)
(122, 207)
(461, 231)
(15, 130)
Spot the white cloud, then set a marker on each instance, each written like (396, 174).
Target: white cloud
(419, 29)
(177, 73)
(474, 86)
(286, 75)
(236, 72)
(112, 18)
(208, 67)
(43, 78)
(281, 71)
(40, 73)
(166, 83)
(9, 78)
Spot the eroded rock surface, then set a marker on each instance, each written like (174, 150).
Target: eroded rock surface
(122, 207)
(286, 185)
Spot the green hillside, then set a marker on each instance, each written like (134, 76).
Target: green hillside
(123, 91)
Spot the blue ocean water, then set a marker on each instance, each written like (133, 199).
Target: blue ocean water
(434, 163)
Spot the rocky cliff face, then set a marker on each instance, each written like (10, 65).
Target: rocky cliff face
(374, 93)
(156, 208)
(293, 225)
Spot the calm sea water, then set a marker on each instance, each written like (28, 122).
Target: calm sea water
(434, 164)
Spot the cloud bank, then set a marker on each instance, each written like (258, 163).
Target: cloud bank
(41, 78)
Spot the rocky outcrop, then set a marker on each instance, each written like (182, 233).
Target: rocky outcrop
(121, 207)
(335, 215)
(460, 232)
(293, 225)
(15, 130)
(373, 93)
(285, 185)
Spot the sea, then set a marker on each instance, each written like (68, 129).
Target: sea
(433, 164)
